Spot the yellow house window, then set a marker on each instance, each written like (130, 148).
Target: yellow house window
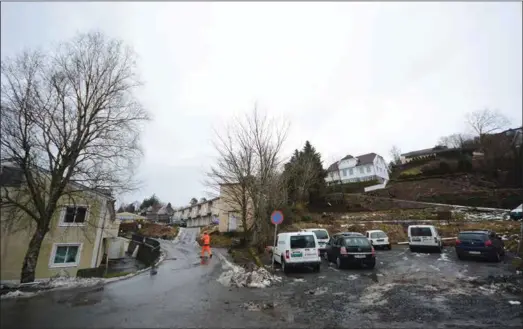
(65, 255)
(74, 215)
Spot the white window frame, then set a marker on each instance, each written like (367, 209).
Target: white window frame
(64, 265)
(64, 210)
(351, 172)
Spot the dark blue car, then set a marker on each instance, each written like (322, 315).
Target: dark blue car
(480, 244)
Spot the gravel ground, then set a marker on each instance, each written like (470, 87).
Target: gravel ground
(405, 290)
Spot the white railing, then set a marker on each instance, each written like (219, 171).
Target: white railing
(375, 187)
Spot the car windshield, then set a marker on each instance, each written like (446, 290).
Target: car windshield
(356, 242)
(472, 236)
(378, 235)
(420, 231)
(321, 234)
(302, 241)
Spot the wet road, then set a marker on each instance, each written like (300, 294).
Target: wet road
(405, 290)
(184, 293)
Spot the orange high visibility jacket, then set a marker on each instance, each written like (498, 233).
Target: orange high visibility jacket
(206, 239)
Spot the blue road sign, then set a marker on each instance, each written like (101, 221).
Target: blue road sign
(277, 217)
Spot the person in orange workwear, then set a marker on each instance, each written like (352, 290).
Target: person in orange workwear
(206, 247)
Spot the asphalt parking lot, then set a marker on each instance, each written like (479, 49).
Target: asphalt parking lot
(405, 290)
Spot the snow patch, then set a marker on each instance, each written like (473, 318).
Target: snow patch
(434, 268)
(318, 291)
(67, 282)
(405, 258)
(18, 294)
(322, 277)
(237, 276)
(444, 257)
(514, 302)
(352, 277)
(373, 295)
(299, 280)
(430, 288)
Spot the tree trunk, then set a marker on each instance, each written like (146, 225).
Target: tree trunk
(31, 256)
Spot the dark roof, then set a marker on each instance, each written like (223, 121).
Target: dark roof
(333, 167)
(12, 175)
(419, 152)
(366, 158)
(348, 156)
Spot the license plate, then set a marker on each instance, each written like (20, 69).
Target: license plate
(417, 240)
(475, 252)
(359, 256)
(297, 254)
(380, 240)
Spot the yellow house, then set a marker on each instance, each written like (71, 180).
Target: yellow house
(230, 209)
(80, 234)
(128, 217)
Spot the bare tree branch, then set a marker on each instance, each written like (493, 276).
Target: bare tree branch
(70, 122)
(486, 121)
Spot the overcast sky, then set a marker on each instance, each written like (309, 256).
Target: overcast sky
(351, 78)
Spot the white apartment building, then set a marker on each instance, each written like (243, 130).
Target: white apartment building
(362, 168)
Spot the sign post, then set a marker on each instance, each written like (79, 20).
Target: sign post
(276, 219)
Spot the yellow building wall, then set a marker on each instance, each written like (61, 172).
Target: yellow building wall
(15, 240)
(228, 205)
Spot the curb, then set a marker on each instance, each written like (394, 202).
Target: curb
(130, 275)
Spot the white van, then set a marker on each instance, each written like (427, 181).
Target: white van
(424, 237)
(297, 249)
(322, 235)
(378, 238)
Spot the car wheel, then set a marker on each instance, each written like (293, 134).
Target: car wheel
(460, 257)
(339, 263)
(286, 269)
(316, 268)
(412, 249)
(389, 246)
(439, 250)
(372, 264)
(497, 257)
(326, 256)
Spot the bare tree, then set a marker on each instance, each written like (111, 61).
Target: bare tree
(395, 153)
(486, 121)
(455, 140)
(70, 121)
(249, 168)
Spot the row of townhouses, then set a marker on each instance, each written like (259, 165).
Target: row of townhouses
(222, 211)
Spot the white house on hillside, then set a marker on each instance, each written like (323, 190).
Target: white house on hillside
(362, 168)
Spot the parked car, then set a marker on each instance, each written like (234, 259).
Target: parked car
(322, 235)
(424, 237)
(334, 237)
(297, 249)
(183, 224)
(484, 244)
(378, 238)
(351, 249)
